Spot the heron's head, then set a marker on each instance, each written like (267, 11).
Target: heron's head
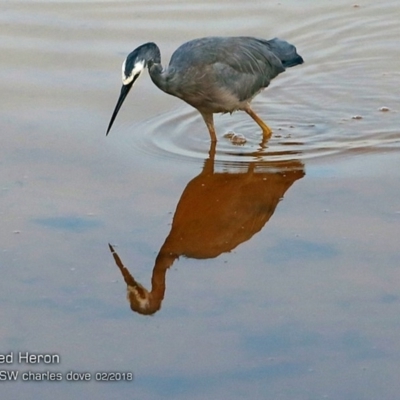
(132, 67)
(142, 301)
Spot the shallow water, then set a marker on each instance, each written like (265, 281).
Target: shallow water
(287, 284)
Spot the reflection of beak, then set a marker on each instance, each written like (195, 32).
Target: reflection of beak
(128, 278)
(124, 92)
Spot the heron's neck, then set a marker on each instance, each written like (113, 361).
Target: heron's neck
(159, 76)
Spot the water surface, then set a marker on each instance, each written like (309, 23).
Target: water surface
(283, 282)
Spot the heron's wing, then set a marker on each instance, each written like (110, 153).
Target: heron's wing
(219, 74)
(244, 54)
(250, 56)
(241, 66)
(244, 68)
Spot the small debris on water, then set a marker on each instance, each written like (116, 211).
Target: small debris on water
(235, 138)
(384, 109)
(356, 117)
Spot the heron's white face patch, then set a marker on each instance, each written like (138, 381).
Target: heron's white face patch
(137, 69)
(143, 299)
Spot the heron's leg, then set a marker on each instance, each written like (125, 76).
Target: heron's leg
(267, 131)
(209, 120)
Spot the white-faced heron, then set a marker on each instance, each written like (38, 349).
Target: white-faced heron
(212, 74)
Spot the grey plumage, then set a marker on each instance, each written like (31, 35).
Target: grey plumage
(213, 74)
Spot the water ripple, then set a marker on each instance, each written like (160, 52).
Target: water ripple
(181, 134)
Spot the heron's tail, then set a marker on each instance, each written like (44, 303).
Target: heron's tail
(286, 52)
(293, 62)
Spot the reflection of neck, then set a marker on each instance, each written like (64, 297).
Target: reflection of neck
(156, 295)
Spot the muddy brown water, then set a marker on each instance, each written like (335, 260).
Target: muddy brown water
(272, 268)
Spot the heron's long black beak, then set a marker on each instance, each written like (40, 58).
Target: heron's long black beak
(124, 92)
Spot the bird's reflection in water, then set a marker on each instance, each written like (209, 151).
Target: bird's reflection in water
(216, 212)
